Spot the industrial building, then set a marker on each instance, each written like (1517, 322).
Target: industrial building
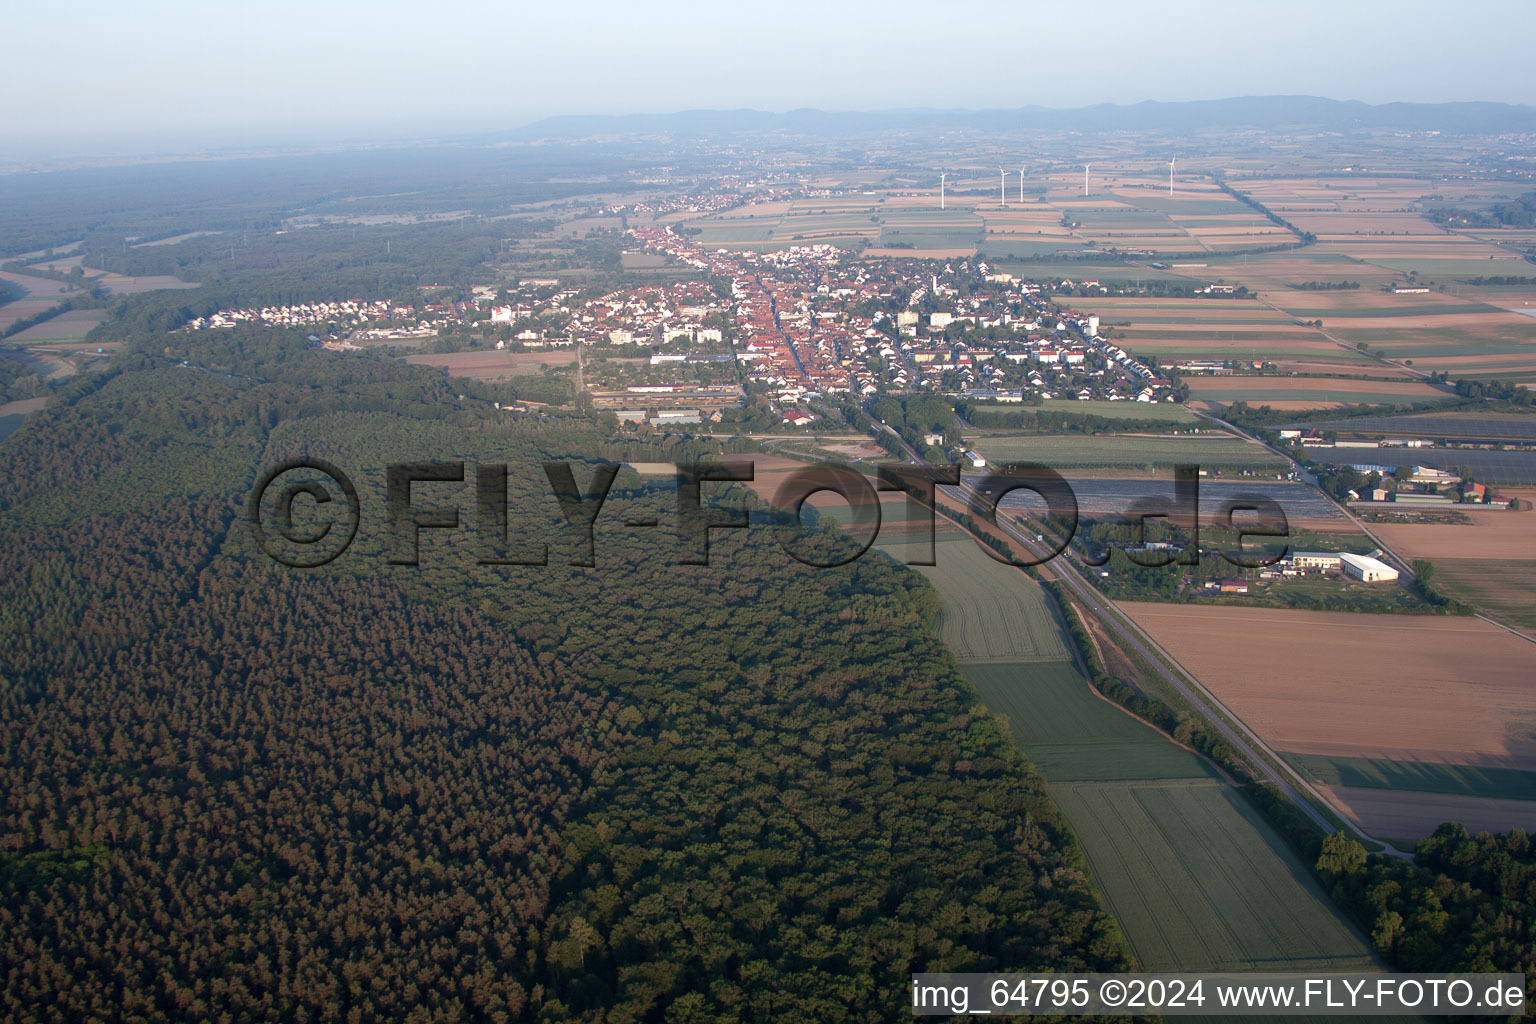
(1315, 560)
(1366, 568)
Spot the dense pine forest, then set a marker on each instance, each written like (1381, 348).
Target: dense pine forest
(643, 791)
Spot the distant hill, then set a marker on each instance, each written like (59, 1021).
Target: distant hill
(1270, 112)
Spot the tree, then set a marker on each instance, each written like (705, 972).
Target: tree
(1388, 928)
(1341, 855)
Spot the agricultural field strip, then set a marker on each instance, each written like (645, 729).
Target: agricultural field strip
(1127, 450)
(1437, 712)
(1178, 868)
(991, 613)
(1417, 776)
(1458, 425)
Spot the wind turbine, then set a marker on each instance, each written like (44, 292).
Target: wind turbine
(941, 190)
(1086, 169)
(1002, 187)
(1021, 184)
(1170, 177)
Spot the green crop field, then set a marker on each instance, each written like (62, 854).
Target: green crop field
(992, 611)
(1072, 734)
(1128, 451)
(1258, 394)
(1199, 882)
(997, 247)
(1445, 268)
(1194, 876)
(1423, 777)
(1505, 589)
(1196, 879)
(1164, 412)
(67, 328)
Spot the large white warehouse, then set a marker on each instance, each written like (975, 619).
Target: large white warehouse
(1366, 568)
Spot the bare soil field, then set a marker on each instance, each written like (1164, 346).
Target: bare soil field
(1402, 814)
(769, 472)
(1359, 222)
(1493, 533)
(494, 365)
(1446, 689)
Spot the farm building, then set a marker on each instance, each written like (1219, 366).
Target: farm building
(1315, 560)
(1408, 498)
(1430, 475)
(1367, 569)
(1233, 586)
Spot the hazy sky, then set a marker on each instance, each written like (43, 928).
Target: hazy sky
(91, 68)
